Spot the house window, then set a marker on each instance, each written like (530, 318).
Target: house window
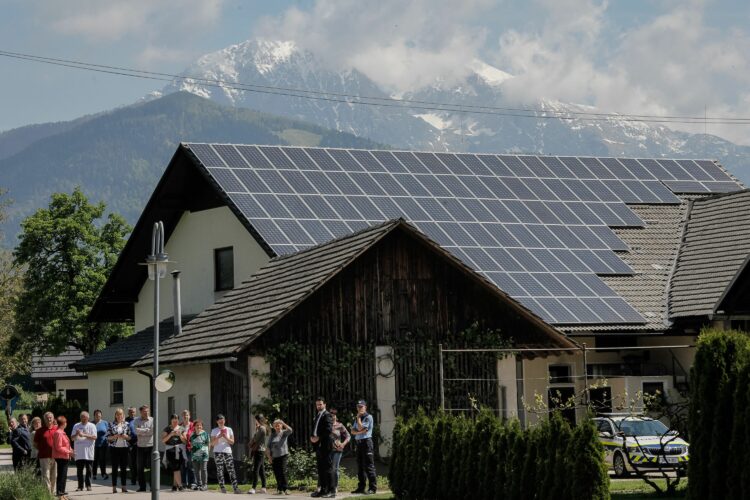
(223, 269)
(192, 406)
(560, 374)
(170, 406)
(654, 395)
(115, 392)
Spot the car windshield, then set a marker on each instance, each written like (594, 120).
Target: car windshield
(642, 427)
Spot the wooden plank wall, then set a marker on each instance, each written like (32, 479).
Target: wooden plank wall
(229, 396)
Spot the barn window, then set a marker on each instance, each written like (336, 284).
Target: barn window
(223, 269)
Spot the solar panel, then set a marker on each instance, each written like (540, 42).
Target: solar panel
(227, 180)
(524, 215)
(597, 168)
(713, 170)
(516, 166)
(721, 187)
(296, 206)
(694, 170)
(686, 187)
(495, 165)
(252, 156)
(300, 158)
(345, 160)
(433, 164)
(277, 157)
(675, 170)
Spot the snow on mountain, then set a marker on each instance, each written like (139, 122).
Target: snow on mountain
(273, 68)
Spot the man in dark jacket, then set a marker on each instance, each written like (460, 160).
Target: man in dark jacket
(20, 443)
(323, 444)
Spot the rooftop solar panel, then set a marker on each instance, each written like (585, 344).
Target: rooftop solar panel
(501, 214)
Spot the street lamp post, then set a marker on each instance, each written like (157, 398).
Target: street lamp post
(157, 269)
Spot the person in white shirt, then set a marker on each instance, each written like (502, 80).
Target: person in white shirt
(83, 435)
(222, 439)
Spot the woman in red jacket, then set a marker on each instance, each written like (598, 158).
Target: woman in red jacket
(62, 453)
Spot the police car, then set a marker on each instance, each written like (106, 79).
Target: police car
(649, 443)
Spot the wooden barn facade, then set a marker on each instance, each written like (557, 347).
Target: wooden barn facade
(342, 319)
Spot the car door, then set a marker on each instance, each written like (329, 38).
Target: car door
(607, 438)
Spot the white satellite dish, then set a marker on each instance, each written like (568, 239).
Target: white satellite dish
(164, 381)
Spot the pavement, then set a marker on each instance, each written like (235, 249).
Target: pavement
(102, 489)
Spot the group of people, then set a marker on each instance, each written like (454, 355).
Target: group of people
(329, 438)
(129, 441)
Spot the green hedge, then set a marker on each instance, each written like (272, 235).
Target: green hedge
(449, 456)
(719, 416)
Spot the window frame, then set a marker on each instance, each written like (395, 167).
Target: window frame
(112, 392)
(193, 406)
(219, 287)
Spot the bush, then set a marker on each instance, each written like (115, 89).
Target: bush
(446, 457)
(71, 410)
(22, 485)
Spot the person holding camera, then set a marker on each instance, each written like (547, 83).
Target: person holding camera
(362, 432)
(222, 439)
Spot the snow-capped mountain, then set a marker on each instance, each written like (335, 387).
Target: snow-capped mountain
(280, 77)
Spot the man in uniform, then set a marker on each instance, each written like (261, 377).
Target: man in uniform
(362, 432)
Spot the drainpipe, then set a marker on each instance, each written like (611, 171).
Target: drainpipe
(150, 384)
(177, 307)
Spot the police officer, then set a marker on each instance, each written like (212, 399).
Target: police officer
(362, 432)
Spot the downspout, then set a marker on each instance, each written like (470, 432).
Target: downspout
(150, 384)
(177, 305)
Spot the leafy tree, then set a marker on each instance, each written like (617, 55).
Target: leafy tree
(67, 254)
(13, 361)
(588, 477)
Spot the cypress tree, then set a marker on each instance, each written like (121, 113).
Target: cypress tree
(500, 438)
(547, 486)
(515, 462)
(560, 467)
(513, 434)
(435, 462)
(448, 472)
(529, 488)
(587, 476)
(397, 450)
(739, 443)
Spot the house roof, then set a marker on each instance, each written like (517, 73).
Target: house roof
(555, 233)
(714, 253)
(130, 349)
(232, 323)
(56, 367)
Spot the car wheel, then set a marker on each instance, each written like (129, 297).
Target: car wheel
(618, 464)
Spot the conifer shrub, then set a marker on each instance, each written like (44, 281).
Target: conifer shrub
(446, 456)
(718, 397)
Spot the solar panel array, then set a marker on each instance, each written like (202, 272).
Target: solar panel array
(538, 227)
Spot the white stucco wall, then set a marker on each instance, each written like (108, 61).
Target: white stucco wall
(135, 390)
(189, 379)
(191, 248)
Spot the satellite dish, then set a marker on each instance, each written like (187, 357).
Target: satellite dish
(164, 381)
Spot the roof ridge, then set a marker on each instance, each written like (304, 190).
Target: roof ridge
(501, 153)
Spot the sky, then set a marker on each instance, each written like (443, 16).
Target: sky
(664, 57)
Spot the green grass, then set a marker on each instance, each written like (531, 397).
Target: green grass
(637, 489)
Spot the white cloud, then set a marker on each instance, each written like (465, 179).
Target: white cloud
(673, 64)
(109, 21)
(401, 45)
